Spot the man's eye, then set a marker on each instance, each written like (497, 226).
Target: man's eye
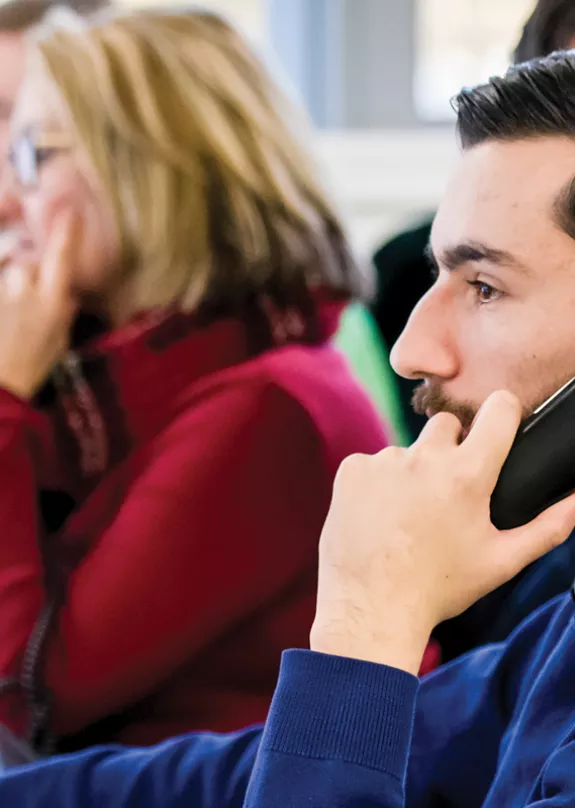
(485, 293)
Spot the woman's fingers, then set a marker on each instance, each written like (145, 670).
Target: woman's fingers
(9, 240)
(36, 309)
(60, 256)
(14, 281)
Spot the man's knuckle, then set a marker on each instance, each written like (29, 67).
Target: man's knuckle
(393, 454)
(351, 466)
(556, 534)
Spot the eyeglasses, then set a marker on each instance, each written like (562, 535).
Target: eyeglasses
(31, 150)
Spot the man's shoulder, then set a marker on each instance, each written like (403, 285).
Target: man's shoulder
(467, 708)
(507, 667)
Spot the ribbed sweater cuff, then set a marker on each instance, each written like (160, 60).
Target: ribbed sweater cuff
(335, 708)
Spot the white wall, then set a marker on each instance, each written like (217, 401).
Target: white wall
(250, 15)
(385, 180)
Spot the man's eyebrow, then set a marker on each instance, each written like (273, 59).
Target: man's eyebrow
(467, 252)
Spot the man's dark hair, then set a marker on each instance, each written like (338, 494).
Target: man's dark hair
(532, 100)
(19, 15)
(550, 27)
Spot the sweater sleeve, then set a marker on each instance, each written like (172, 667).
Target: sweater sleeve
(193, 771)
(223, 514)
(337, 736)
(464, 709)
(556, 787)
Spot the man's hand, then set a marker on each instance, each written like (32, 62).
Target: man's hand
(409, 542)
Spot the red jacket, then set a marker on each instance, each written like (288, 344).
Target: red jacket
(201, 470)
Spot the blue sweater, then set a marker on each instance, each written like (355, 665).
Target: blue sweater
(494, 729)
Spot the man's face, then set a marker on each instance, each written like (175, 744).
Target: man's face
(12, 61)
(501, 314)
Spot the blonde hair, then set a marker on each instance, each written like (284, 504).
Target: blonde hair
(216, 201)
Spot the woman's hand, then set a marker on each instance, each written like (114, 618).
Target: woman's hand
(36, 312)
(409, 541)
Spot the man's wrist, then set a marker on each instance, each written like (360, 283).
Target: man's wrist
(397, 643)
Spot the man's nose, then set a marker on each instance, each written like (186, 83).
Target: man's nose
(427, 347)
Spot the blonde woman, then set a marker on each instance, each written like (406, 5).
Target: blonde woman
(156, 185)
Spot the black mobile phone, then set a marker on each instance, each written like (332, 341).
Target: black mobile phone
(540, 468)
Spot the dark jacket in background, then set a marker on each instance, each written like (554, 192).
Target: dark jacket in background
(403, 276)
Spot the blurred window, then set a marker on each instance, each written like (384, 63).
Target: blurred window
(377, 63)
(462, 42)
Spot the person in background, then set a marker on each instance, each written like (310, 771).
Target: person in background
(198, 435)
(404, 274)
(550, 27)
(16, 17)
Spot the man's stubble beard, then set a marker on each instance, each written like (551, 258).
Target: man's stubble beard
(429, 399)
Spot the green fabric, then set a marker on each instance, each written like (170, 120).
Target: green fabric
(358, 338)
